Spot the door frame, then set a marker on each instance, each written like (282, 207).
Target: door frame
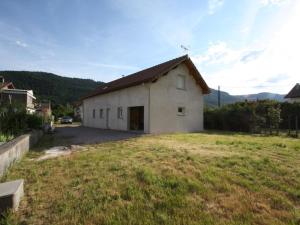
(129, 118)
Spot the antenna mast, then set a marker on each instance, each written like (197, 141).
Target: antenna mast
(185, 48)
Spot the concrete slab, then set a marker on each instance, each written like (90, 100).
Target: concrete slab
(10, 195)
(78, 135)
(55, 152)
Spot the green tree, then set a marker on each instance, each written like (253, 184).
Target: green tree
(274, 118)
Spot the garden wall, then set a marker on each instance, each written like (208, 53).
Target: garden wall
(16, 148)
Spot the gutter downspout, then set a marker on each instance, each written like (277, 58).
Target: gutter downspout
(149, 98)
(83, 122)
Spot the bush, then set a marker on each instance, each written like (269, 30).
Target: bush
(5, 138)
(14, 120)
(34, 121)
(253, 116)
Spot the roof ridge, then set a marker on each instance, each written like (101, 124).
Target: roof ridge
(294, 92)
(147, 75)
(151, 67)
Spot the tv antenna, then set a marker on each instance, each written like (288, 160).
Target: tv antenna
(185, 48)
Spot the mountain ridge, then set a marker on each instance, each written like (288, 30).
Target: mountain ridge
(62, 90)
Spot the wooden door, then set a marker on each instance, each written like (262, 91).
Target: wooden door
(136, 119)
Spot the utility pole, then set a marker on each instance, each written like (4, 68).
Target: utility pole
(296, 126)
(219, 97)
(289, 120)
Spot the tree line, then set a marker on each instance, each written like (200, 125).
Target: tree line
(254, 116)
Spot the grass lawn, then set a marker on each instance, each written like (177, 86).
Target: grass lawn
(167, 179)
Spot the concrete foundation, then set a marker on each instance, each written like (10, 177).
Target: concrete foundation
(16, 148)
(10, 195)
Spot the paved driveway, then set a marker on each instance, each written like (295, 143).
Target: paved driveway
(76, 134)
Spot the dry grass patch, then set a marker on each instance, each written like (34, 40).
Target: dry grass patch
(165, 179)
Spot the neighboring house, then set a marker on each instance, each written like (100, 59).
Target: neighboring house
(294, 94)
(165, 98)
(10, 95)
(5, 85)
(78, 110)
(43, 109)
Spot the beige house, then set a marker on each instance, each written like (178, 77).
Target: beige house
(164, 98)
(10, 95)
(294, 94)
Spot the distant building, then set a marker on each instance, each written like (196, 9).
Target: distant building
(294, 94)
(164, 98)
(5, 85)
(44, 110)
(10, 95)
(78, 110)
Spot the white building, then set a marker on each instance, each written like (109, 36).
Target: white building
(165, 98)
(10, 95)
(294, 94)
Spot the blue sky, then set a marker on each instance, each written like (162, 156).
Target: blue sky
(243, 46)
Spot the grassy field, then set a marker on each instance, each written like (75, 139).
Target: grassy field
(167, 179)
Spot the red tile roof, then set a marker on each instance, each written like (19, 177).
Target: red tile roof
(7, 84)
(149, 75)
(295, 92)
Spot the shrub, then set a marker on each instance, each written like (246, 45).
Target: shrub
(34, 121)
(14, 120)
(5, 138)
(253, 116)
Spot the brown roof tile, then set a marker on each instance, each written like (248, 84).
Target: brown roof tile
(7, 84)
(295, 92)
(150, 74)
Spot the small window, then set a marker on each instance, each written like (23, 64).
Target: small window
(120, 112)
(181, 111)
(101, 113)
(94, 113)
(181, 82)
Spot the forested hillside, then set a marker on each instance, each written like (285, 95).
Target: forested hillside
(63, 90)
(211, 100)
(49, 86)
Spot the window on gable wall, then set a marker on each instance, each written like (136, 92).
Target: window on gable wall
(181, 111)
(101, 113)
(180, 82)
(120, 112)
(94, 113)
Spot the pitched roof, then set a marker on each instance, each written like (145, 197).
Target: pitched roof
(295, 92)
(149, 75)
(7, 84)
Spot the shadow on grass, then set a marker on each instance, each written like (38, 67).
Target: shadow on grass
(67, 136)
(283, 133)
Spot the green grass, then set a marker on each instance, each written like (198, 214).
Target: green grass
(167, 179)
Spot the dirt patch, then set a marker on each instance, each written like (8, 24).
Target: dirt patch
(58, 151)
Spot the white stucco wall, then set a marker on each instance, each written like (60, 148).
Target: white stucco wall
(166, 98)
(292, 100)
(163, 97)
(129, 97)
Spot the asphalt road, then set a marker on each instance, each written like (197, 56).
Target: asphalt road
(78, 135)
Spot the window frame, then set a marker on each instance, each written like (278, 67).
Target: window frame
(180, 76)
(183, 111)
(94, 113)
(101, 114)
(120, 112)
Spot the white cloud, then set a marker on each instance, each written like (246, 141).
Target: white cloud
(221, 54)
(21, 44)
(274, 2)
(256, 68)
(214, 5)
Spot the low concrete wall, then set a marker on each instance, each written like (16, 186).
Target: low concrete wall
(15, 149)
